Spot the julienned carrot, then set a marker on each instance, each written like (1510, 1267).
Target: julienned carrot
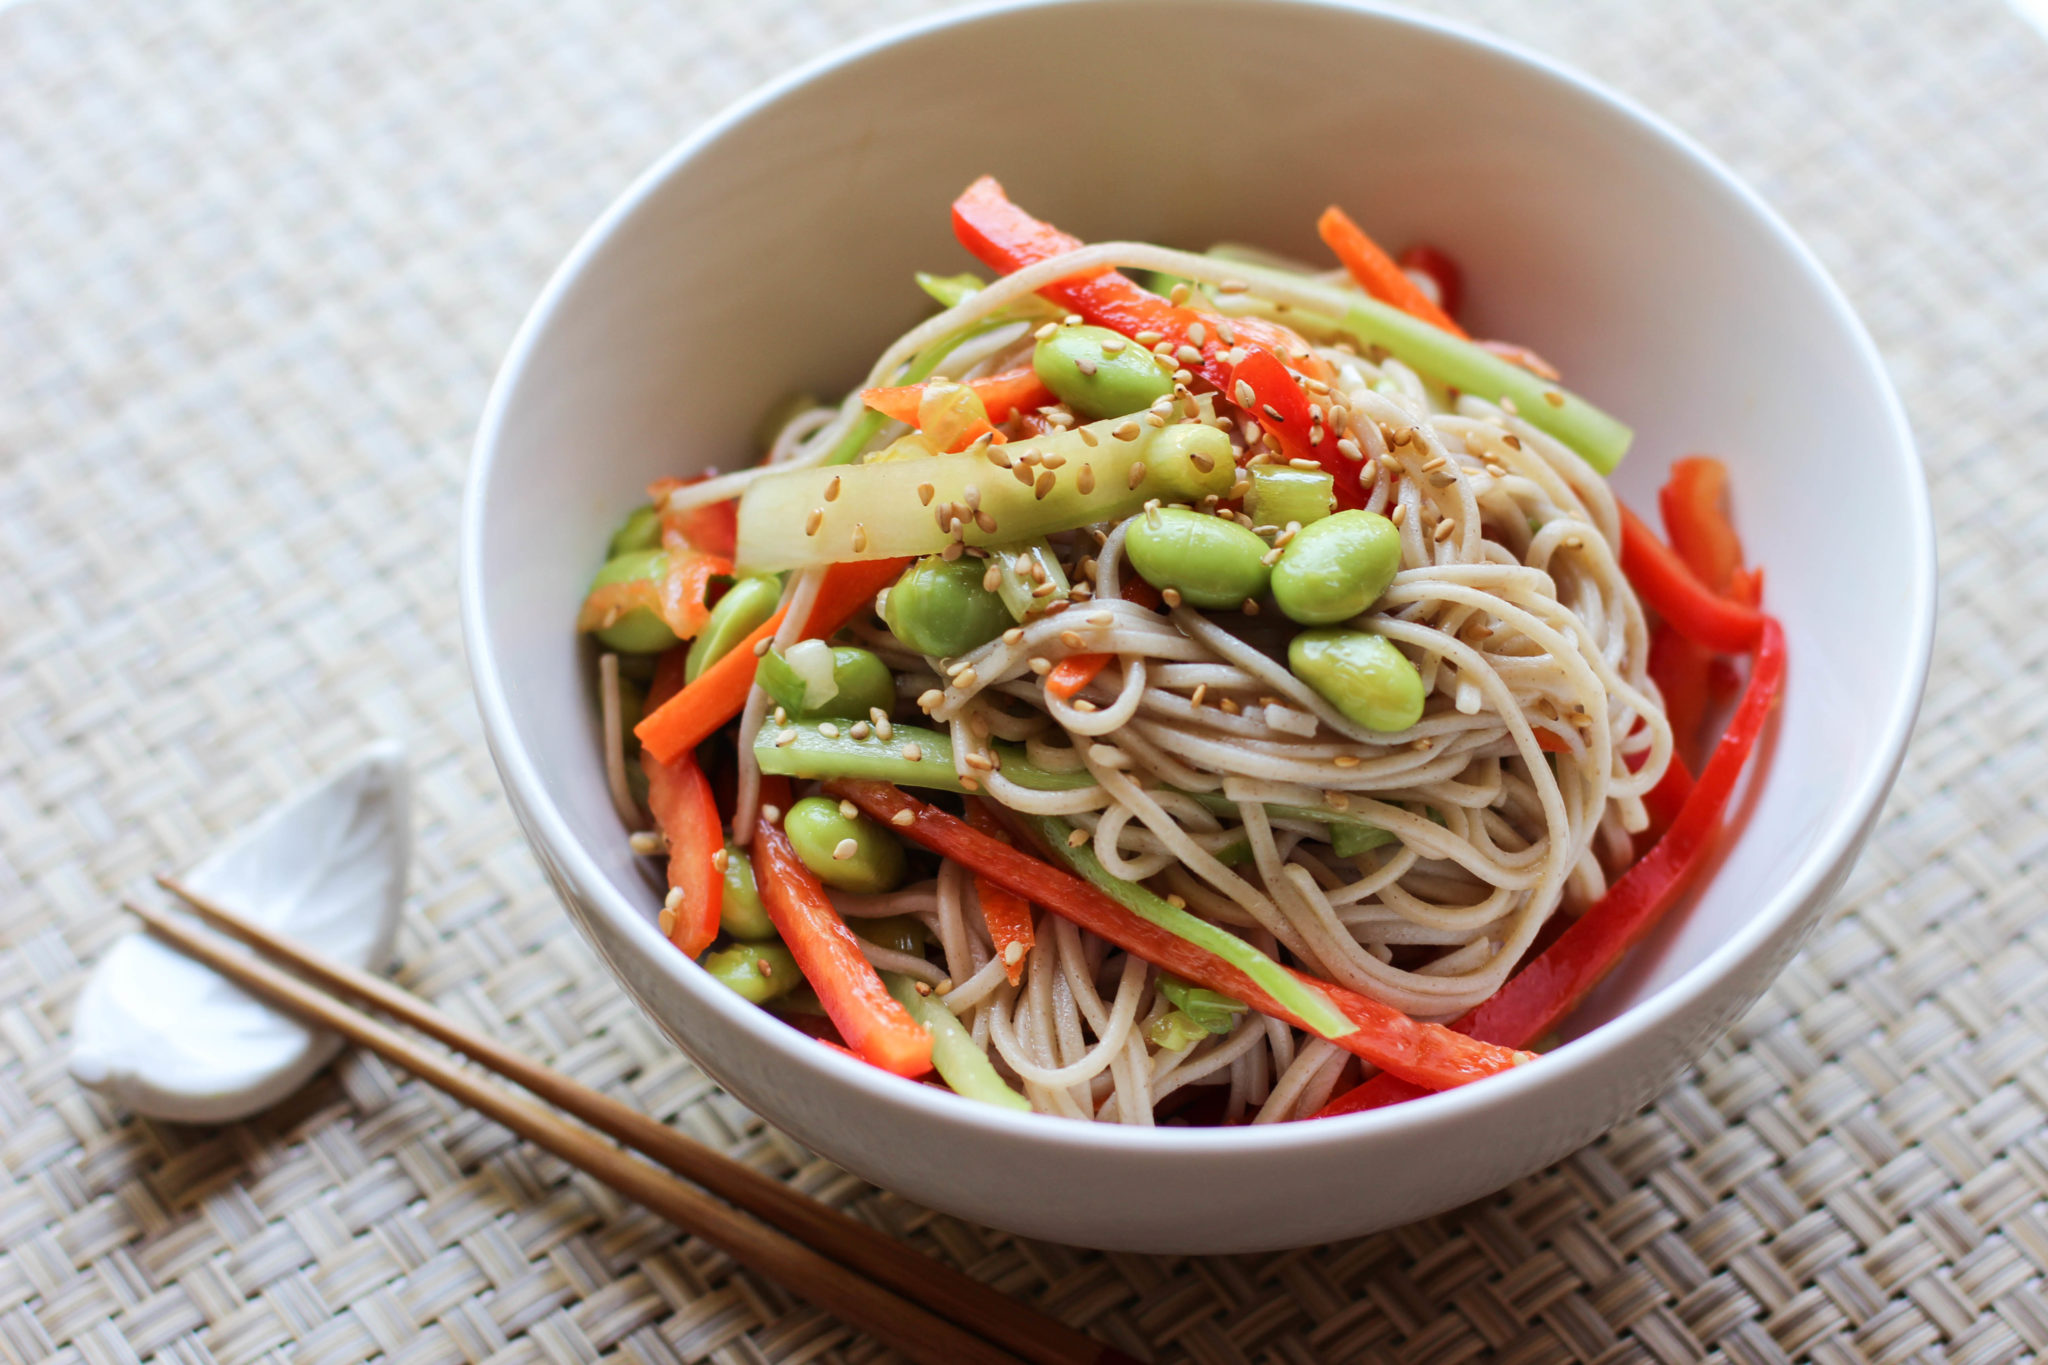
(859, 1005)
(680, 798)
(1384, 1036)
(1008, 914)
(695, 713)
(1540, 996)
(1669, 588)
(1377, 273)
(1001, 394)
(1073, 673)
(686, 587)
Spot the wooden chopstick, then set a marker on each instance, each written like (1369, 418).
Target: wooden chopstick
(911, 1329)
(901, 1268)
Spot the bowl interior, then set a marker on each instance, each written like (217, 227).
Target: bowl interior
(777, 255)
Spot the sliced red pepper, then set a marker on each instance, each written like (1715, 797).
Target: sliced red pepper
(1443, 272)
(1282, 407)
(1376, 272)
(1073, 673)
(670, 672)
(1680, 668)
(687, 815)
(1006, 238)
(877, 1028)
(1384, 1036)
(1001, 394)
(695, 713)
(1543, 994)
(713, 527)
(1008, 914)
(1136, 589)
(1669, 588)
(1694, 503)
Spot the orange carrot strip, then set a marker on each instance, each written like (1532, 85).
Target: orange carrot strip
(1376, 272)
(693, 714)
(1008, 914)
(1073, 673)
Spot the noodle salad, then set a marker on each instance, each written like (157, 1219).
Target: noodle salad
(1179, 687)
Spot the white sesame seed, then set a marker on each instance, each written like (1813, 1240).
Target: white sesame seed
(845, 849)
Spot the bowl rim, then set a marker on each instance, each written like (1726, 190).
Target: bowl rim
(1836, 843)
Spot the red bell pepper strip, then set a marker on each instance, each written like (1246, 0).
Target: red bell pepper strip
(1137, 590)
(1428, 1053)
(1679, 668)
(877, 1028)
(1442, 271)
(1694, 503)
(693, 714)
(713, 527)
(1073, 673)
(686, 813)
(1376, 272)
(1669, 588)
(1545, 992)
(1001, 394)
(1282, 407)
(1008, 914)
(670, 672)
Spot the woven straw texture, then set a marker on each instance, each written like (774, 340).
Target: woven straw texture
(259, 261)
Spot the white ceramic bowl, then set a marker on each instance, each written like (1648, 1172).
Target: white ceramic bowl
(774, 250)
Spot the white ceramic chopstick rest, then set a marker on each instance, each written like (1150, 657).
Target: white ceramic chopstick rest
(167, 1037)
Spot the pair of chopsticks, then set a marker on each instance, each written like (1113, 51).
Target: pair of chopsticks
(927, 1310)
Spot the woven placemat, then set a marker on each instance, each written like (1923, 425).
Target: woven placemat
(256, 265)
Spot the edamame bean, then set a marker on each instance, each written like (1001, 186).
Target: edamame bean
(851, 853)
(1098, 373)
(641, 630)
(1335, 568)
(746, 604)
(1361, 674)
(902, 933)
(1209, 561)
(939, 607)
(641, 530)
(759, 972)
(739, 910)
(815, 680)
(1280, 494)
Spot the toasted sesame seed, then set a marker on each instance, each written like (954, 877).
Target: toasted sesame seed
(1153, 419)
(1432, 464)
(1083, 704)
(1272, 556)
(666, 921)
(1233, 286)
(847, 809)
(674, 899)
(1071, 320)
(986, 522)
(845, 849)
(1445, 529)
(884, 727)
(1553, 397)
(832, 489)
(771, 815)
(1249, 608)
(1039, 664)
(981, 762)
(1507, 405)
(1272, 413)
(1180, 294)
(1164, 351)
(1425, 744)
(1170, 596)
(1147, 338)
(929, 698)
(997, 456)
(1112, 345)
(1076, 837)
(925, 493)
(1302, 462)
(966, 678)
(952, 551)
(1197, 333)
(1126, 431)
(1349, 449)
(785, 738)
(1346, 760)
(903, 819)
(1044, 485)
(1574, 542)
(1052, 459)
(1230, 708)
(762, 646)
(1399, 514)
(814, 521)
(912, 752)
(1187, 355)
(1244, 393)
(828, 729)
(1071, 639)
(1048, 331)
(858, 730)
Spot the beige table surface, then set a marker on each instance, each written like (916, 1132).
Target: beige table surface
(257, 262)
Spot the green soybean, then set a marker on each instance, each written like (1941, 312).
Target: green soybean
(746, 604)
(1280, 494)
(1335, 568)
(852, 853)
(739, 911)
(901, 933)
(1361, 674)
(641, 530)
(641, 630)
(759, 972)
(1098, 374)
(858, 682)
(940, 608)
(1211, 562)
